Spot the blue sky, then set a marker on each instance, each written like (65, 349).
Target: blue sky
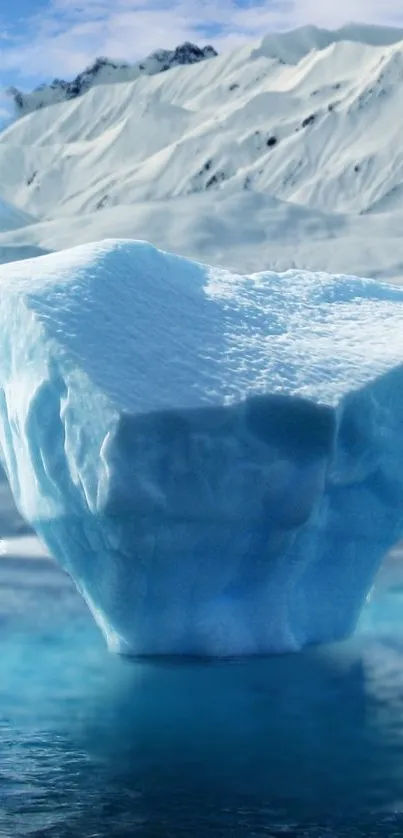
(40, 39)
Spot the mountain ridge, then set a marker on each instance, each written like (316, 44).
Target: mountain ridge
(107, 71)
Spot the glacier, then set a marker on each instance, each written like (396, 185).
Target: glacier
(214, 458)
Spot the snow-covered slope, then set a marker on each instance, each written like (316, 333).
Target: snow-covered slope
(12, 219)
(284, 152)
(216, 459)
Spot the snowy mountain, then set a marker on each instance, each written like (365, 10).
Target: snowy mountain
(283, 153)
(105, 71)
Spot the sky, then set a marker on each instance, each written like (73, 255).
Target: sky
(41, 39)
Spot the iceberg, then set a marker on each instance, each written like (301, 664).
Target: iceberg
(215, 459)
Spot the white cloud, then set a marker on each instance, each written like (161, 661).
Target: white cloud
(71, 33)
(333, 13)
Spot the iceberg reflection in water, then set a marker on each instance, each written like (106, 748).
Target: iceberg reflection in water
(91, 744)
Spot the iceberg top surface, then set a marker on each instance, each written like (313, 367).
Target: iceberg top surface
(155, 331)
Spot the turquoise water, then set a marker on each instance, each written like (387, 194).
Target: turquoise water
(92, 745)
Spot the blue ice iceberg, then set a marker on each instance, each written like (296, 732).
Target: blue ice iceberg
(217, 460)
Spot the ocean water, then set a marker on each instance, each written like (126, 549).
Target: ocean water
(93, 745)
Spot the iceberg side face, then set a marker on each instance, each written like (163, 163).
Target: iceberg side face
(215, 459)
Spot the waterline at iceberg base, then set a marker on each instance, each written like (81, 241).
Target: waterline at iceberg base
(215, 459)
